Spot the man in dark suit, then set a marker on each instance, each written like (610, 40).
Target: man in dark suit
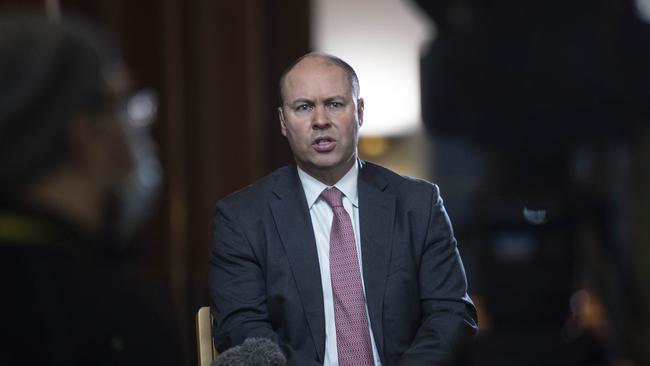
(339, 261)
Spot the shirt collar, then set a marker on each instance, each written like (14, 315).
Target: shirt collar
(347, 185)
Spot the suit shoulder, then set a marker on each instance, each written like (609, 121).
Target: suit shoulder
(253, 194)
(403, 183)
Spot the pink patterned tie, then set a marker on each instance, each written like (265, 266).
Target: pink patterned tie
(352, 332)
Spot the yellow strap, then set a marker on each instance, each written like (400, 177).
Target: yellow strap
(23, 229)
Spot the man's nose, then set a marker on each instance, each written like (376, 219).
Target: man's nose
(320, 118)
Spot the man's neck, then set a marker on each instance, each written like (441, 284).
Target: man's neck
(70, 196)
(329, 177)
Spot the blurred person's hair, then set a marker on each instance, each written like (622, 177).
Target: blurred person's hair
(50, 72)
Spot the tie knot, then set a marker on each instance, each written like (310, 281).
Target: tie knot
(333, 197)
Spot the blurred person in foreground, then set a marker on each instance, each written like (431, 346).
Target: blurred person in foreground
(339, 261)
(75, 177)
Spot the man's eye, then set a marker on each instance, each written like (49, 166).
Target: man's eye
(304, 108)
(335, 104)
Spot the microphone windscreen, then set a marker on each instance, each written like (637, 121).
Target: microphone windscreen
(253, 352)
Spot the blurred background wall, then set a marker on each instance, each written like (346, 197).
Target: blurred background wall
(531, 116)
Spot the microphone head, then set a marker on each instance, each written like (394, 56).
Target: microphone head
(253, 352)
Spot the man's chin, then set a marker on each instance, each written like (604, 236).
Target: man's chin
(322, 165)
(326, 166)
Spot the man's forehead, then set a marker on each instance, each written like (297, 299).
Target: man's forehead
(317, 74)
(315, 60)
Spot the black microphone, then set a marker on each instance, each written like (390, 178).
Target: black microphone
(253, 352)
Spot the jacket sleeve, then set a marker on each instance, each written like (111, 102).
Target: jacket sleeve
(448, 314)
(238, 289)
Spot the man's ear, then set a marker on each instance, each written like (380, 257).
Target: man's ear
(360, 106)
(98, 149)
(84, 141)
(283, 126)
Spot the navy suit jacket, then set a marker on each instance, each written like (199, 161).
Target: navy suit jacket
(265, 280)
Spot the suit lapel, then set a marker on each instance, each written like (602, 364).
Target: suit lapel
(293, 222)
(376, 218)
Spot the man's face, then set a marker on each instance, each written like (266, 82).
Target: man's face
(133, 183)
(117, 156)
(321, 118)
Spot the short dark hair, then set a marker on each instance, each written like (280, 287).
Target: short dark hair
(51, 71)
(349, 71)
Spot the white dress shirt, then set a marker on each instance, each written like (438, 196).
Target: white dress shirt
(321, 220)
